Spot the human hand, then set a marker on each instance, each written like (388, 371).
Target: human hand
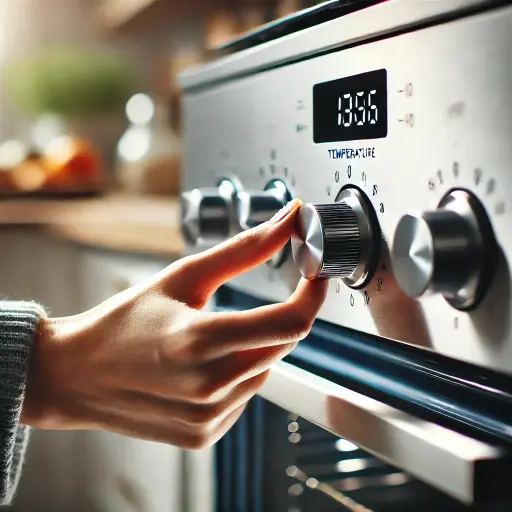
(148, 363)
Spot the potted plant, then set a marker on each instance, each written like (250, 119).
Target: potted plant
(75, 92)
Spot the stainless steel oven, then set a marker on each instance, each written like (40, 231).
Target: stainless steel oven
(391, 121)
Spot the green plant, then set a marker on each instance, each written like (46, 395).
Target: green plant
(69, 83)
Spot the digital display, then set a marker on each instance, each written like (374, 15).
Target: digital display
(351, 108)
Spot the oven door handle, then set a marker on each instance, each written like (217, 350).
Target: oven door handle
(464, 468)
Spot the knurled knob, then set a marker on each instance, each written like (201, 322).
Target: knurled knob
(340, 234)
(337, 240)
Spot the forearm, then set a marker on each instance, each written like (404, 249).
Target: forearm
(18, 326)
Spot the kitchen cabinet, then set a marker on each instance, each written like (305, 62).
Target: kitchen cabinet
(33, 266)
(37, 267)
(84, 471)
(103, 273)
(122, 474)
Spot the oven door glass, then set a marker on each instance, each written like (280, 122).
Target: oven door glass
(273, 460)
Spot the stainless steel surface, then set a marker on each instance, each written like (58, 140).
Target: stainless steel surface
(206, 213)
(442, 458)
(255, 208)
(335, 240)
(443, 251)
(444, 131)
(392, 15)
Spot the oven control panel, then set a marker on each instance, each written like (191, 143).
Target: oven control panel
(400, 150)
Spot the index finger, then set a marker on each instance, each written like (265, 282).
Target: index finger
(196, 277)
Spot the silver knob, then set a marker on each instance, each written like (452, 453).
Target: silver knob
(206, 213)
(255, 208)
(338, 240)
(449, 251)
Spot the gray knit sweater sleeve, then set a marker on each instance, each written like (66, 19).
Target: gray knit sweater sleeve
(18, 325)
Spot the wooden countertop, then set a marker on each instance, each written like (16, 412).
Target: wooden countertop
(145, 225)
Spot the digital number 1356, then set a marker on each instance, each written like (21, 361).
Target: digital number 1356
(357, 109)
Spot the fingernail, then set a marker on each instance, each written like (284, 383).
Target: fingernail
(285, 210)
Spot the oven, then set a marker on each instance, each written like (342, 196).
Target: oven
(390, 121)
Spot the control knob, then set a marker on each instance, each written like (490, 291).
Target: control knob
(255, 208)
(338, 240)
(206, 213)
(450, 251)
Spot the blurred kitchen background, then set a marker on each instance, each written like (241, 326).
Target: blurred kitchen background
(90, 164)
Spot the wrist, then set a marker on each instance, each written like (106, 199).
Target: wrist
(46, 404)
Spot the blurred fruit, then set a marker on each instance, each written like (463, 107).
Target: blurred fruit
(6, 184)
(20, 169)
(12, 153)
(28, 176)
(72, 163)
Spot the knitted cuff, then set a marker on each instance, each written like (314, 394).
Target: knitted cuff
(18, 326)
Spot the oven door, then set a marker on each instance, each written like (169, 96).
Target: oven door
(358, 423)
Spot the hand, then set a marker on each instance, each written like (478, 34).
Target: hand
(149, 363)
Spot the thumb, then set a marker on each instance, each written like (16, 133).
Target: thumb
(195, 278)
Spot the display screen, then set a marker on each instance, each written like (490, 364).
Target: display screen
(351, 108)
